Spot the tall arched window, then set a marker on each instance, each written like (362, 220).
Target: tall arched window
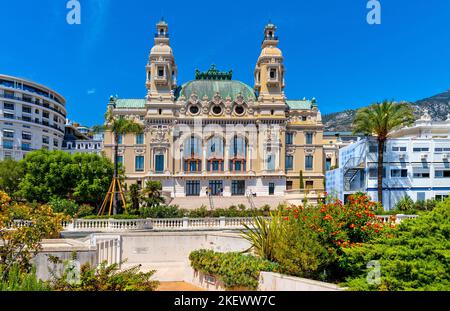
(215, 155)
(238, 154)
(193, 154)
(270, 159)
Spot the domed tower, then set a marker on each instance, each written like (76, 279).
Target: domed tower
(269, 71)
(161, 67)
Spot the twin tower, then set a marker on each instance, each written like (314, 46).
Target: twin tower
(162, 70)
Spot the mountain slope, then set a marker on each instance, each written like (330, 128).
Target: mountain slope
(438, 107)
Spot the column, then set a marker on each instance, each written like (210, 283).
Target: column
(181, 160)
(204, 158)
(250, 158)
(226, 165)
(150, 161)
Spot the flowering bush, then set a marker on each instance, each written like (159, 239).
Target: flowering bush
(310, 240)
(23, 242)
(341, 225)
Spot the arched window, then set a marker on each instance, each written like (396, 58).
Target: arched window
(270, 159)
(238, 154)
(215, 154)
(193, 154)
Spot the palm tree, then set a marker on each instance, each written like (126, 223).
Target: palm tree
(117, 126)
(380, 119)
(152, 193)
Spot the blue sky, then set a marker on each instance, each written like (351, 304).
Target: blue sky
(331, 53)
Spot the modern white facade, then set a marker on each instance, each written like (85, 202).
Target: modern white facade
(416, 164)
(32, 117)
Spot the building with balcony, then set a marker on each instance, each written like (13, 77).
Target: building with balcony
(416, 164)
(32, 117)
(79, 139)
(218, 141)
(332, 143)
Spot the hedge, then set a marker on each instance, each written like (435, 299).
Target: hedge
(233, 269)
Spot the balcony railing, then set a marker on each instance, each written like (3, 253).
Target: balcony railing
(28, 89)
(9, 96)
(28, 119)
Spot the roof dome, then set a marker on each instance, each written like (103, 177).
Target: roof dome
(271, 51)
(209, 88)
(161, 49)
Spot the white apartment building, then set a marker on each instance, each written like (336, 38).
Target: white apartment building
(416, 164)
(32, 117)
(76, 140)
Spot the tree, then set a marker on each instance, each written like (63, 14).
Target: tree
(380, 120)
(118, 125)
(152, 194)
(11, 174)
(19, 243)
(48, 174)
(134, 199)
(93, 176)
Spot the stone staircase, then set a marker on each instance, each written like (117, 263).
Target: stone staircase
(226, 202)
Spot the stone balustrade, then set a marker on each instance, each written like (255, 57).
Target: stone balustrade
(172, 224)
(395, 218)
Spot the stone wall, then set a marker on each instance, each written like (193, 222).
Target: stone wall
(269, 281)
(64, 250)
(168, 252)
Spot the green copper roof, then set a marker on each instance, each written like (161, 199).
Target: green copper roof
(224, 87)
(301, 104)
(130, 103)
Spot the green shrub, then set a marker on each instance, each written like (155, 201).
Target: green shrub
(414, 256)
(20, 281)
(161, 211)
(427, 205)
(67, 207)
(242, 207)
(299, 250)
(118, 216)
(405, 204)
(200, 212)
(233, 269)
(104, 278)
(84, 210)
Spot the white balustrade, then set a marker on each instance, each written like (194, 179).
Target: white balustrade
(171, 224)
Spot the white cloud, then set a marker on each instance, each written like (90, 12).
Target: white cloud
(91, 91)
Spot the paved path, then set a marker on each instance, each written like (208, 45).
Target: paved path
(178, 287)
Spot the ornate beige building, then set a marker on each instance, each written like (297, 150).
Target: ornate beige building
(215, 138)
